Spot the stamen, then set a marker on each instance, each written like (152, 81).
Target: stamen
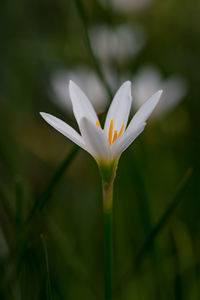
(121, 130)
(97, 123)
(110, 133)
(115, 136)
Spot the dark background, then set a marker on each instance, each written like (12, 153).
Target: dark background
(39, 38)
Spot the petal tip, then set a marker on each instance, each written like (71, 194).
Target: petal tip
(43, 114)
(71, 83)
(158, 95)
(74, 89)
(127, 83)
(47, 117)
(73, 86)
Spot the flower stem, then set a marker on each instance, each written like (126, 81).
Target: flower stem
(107, 205)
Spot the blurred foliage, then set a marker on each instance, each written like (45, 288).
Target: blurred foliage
(36, 39)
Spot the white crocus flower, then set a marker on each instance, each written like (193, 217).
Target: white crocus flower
(105, 145)
(117, 44)
(149, 79)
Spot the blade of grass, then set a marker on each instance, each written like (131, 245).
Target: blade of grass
(165, 217)
(177, 280)
(177, 197)
(42, 201)
(57, 176)
(48, 284)
(84, 19)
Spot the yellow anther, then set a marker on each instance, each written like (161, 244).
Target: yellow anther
(110, 133)
(97, 123)
(122, 128)
(115, 136)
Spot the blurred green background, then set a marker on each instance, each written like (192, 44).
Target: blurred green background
(51, 219)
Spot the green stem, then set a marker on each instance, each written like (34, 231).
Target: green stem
(107, 205)
(48, 284)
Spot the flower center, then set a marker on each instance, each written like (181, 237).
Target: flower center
(112, 137)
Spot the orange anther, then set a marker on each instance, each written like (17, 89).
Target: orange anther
(110, 133)
(115, 136)
(121, 130)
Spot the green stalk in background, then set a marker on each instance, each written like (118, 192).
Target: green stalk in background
(48, 281)
(97, 65)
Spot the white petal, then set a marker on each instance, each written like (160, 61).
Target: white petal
(65, 129)
(82, 107)
(145, 110)
(95, 139)
(125, 140)
(120, 108)
(136, 125)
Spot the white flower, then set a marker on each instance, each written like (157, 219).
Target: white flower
(105, 145)
(84, 76)
(117, 44)
(148, 79)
